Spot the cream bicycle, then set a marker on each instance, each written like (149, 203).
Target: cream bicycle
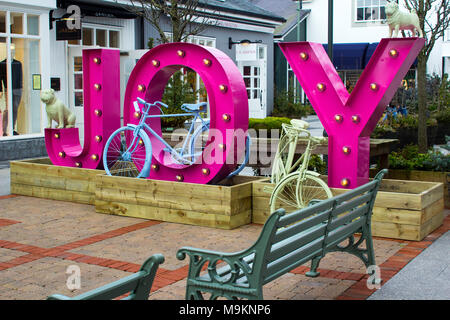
(295, 185)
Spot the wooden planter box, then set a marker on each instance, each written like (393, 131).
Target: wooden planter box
(219, 206)
(40, 178)
(417, 175)
(407, 210)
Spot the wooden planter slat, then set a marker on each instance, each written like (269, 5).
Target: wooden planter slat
(39, 178)
(182, 201)
(418, 175)
(408, 210)
(185, 216)
(217, 206)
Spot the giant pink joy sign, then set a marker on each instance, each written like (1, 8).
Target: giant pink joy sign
(347, 118)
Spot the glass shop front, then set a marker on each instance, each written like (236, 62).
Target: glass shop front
(20, 74)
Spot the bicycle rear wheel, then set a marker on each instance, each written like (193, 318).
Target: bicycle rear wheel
(292, 194)
(127, 154)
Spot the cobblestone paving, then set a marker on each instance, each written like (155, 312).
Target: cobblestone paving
(40, 239)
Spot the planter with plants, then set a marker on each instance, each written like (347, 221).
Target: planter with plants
(409, 164)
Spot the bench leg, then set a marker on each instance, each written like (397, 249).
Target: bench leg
(370, 251)
(193, 294)
(314, 265)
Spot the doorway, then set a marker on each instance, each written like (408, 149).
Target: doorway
(255, 78)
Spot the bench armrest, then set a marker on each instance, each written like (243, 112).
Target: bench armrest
(238, 264)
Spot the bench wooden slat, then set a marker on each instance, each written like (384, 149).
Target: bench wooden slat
(292, 260)
(110, 290)
(338, 235)
(287, 232)
(351, 204)
(305, 213)
(368, 187)
(283, 248)
(347, 218)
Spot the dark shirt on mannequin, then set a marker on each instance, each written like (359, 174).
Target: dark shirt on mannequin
(16, 69)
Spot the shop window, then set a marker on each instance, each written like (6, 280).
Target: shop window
(20, 74)
(16, 23)
(114, 41)
(2, 21)
(100, 36)
(3, 88)
(22, 114)
(32, 25)
(88, 37)
(370, 10)
(78, 64)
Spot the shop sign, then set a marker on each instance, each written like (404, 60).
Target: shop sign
(64, 32)
(246, 52)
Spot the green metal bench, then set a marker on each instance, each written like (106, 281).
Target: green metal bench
(138, 285)
(286, 242)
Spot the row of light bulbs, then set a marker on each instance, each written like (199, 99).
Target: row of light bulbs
(321, 87)
(98, 113)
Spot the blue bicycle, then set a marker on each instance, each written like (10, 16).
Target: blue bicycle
(128, 151)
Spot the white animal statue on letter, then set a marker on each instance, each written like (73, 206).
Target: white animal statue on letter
(398, 20)
(56, 110)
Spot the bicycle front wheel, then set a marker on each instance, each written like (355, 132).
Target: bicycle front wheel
(128, 154)
(292, 193)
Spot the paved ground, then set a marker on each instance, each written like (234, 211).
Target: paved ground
(40, 239)
(425, 277)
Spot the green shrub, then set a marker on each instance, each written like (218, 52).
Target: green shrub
(317, 164)
(177, 92)
(438, 162)
(443, 116)
(267, 123)
(409, 158)
(286, 105)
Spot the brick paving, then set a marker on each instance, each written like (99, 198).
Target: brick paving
(40, 239)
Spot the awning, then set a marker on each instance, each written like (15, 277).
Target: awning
(96, 8)
(349, 56)
(371, 50)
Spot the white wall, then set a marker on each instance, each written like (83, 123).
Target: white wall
(34, 3)
(346, 30)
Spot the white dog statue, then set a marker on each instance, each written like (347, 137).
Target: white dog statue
(401, 20)
(56, 110)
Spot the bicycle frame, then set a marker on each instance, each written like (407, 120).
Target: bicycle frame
(173, 152)
(288, 167)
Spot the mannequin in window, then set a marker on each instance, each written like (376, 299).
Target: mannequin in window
(16, 86)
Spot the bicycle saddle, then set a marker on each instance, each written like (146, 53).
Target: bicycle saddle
(196, 107)
(300, 124)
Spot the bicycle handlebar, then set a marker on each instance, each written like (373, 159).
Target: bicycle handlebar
(142, 101)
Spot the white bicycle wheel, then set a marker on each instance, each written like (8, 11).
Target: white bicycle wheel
(292, 194)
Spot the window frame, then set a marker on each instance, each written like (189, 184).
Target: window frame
(9, 36)
(379, 6)
(94, 28)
